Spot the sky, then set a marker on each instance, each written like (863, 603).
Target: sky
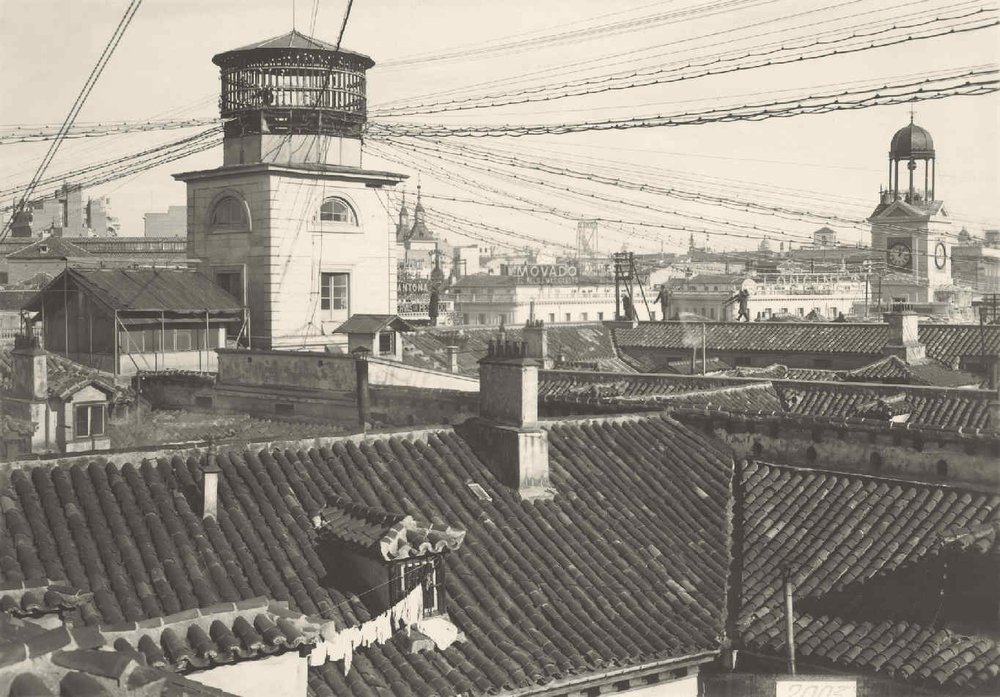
(827, 163)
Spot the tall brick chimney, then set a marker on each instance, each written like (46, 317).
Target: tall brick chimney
(506, 435)
(537, 342)
(904, 339)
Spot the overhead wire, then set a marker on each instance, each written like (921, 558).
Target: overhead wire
(663, 75)
(81, 99)
(969, 82)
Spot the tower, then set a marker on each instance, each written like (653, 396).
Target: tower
(291, 215)
(909, 225)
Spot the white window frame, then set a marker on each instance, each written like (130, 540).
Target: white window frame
(90, 406)
(333, 312)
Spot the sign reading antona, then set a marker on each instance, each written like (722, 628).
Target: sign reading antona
(816, 687)
(542, 272)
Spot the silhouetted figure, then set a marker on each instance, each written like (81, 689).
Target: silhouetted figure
(627, 308)
(743, 300)
(432, 309)
(663, 297)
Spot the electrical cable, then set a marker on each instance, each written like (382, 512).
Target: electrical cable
(95, 73)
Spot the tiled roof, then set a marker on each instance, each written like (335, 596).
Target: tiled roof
(65, 377)
(218, 635)
(712, 365)
(387, 535)
(840, 534)
(783, 372)
(901, 650)
(369, 324)
(945, 342)
(636, 537)
(895, 369)
(426, 348)
(171, 290)
(50, 248)
(937, 407)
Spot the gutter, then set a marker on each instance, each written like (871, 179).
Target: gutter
(591, 680)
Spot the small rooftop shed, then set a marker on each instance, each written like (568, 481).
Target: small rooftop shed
(126, 320)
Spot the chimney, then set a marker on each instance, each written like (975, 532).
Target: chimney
(28, 364)
(537, 342)
(29, 394)
(904, 340)
(452, 359)
(210, 484)
(506, 435)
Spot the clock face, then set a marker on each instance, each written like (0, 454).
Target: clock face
(940, 255)
(899, 256)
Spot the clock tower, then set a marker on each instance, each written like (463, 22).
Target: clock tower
(910, 226)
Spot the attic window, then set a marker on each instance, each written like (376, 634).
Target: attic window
(43, 249)
(427, 572)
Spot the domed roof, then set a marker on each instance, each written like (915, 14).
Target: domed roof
(292, 42)
(911, 141)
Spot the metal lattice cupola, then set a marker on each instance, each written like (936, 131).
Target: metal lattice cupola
(277, 92)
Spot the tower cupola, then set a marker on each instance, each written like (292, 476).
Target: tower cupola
(293, 100)
(912, 145)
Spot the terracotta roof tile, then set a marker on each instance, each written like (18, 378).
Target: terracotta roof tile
(859, 548)
(946, 343)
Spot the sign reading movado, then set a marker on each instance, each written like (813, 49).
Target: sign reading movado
(541, 271)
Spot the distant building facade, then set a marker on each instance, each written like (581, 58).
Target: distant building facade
(64, 214)
(170, 223)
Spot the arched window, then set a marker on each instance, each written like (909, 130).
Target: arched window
(229, 211)
(811, 455)
(758, 449)
(337, 210)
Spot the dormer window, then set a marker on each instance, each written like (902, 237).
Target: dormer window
(385, 557)
(337, 210)
(230, 213)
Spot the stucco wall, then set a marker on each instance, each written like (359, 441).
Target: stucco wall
(382, 372)
(303, 369)
(897, 453)
(285, 675)
(287, 248)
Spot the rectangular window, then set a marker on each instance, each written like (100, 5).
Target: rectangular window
(182, 340)
(583, 316)
(89, 420)
(600, 316)
(800, 311)
(711, 313)
(334, 291)
(204, 402)
(568, 317)
(743, 361)
(552, 318)
(823, 363)
(284, 408)
(426, 573)
(481, 319)
(385, 343)
(231, 282)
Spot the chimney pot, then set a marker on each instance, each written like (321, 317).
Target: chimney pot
(452, 359)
